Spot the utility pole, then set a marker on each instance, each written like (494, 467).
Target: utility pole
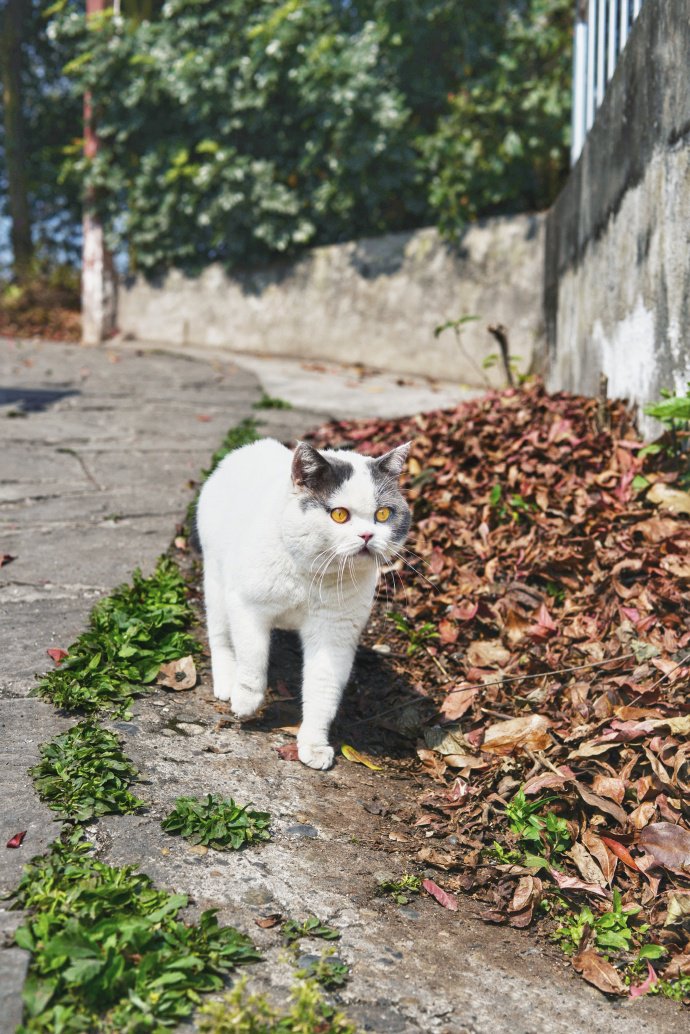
(98, 283)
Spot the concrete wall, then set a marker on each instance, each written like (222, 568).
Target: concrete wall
(617, 280)
(372, 301)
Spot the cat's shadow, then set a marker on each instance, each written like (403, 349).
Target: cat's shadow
(374, 688)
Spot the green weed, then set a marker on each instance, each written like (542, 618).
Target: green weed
(611, 931)
(328, 971)
(83, 773)
(244, 433)
(417, 635)
(130, 634)
(292, 931)
(269, 402)
(109, 952)
(510, 508)
(217, 822)
(242, 1013)
(401, 890)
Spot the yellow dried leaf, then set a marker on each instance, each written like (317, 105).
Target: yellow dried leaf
(354, 755)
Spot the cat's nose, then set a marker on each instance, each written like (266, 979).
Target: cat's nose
(366, 535)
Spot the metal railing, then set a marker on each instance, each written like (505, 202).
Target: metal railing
(601, 30)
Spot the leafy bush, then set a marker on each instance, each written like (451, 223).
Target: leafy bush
(84, 772)
(108, 950)
(131, 633)
(240, 1013)
(503, 145)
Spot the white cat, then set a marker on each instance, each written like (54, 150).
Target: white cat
(295, 540)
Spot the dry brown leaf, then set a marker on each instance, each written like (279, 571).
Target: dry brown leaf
(485, 654)
(607, 786)
(597, 971)
(668, 845)
(671, 499)
(586, 865)
(178, 675)
(601, 803)
(606, 859)
(457, 703)
(530, 732)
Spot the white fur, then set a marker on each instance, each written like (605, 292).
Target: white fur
(273, 561)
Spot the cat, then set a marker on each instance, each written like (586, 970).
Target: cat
(295, 540)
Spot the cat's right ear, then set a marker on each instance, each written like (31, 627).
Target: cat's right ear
(308, 466)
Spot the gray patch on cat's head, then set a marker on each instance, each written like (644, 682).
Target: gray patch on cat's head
(318, 476)
(385, 472)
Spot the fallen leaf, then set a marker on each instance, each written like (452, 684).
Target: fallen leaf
(16, 840)
(457, 703)
(359, 759)
(203, 418)
(266, 922)
(621, 851)
(548, 780)
(566, 882)
(597, 971)
(56, 654)
(447, 900)
(586, 865)
(605, 858)
(178, 675)
(601, 803)
(529, 732)
(671, 499)
(668, 844)
(677, 908)
(288, 751)
(678, 966)
(446, 741)
(6, 558)
(487, 653)
(607, 786)
(651, 979)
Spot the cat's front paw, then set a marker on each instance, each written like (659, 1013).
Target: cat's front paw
(315, 755)
(245, 702)
(221, 692)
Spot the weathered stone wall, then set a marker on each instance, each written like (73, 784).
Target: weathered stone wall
(617, 287)
(373, 301)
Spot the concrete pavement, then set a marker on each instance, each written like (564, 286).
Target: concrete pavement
(98, 448)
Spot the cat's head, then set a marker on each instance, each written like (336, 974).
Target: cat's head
(352, 504)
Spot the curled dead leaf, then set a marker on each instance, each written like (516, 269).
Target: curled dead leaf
(178, 675)
(586, 865)
(487, 653)
(530, 732)
(671, 499)
(448, 901)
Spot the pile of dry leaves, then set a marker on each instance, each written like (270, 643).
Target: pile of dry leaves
(548, 628)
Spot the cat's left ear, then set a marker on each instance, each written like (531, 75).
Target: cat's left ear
(392, 463)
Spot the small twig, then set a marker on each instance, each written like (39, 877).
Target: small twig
(500, 682)
(539, 759)
(496, 714)
(498, 331)
(602, 419)
(441, 667)
(659, 681)
(541, 674)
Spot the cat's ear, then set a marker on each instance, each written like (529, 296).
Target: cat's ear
(309, 468)
(392, 463)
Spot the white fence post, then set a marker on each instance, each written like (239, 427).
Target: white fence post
(601, 31)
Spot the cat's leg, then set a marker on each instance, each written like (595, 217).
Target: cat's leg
(251, 637)
(329, 651)
(222, 657)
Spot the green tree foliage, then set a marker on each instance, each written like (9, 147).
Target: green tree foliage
(503, 144)
(51, 119)
(241, 130)
(236, 130)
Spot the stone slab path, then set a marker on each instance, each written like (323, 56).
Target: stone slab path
(98, 447)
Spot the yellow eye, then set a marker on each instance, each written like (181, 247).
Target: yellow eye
(340, 515)
(383, 514)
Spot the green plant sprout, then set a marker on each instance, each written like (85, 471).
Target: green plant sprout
(417, 636)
